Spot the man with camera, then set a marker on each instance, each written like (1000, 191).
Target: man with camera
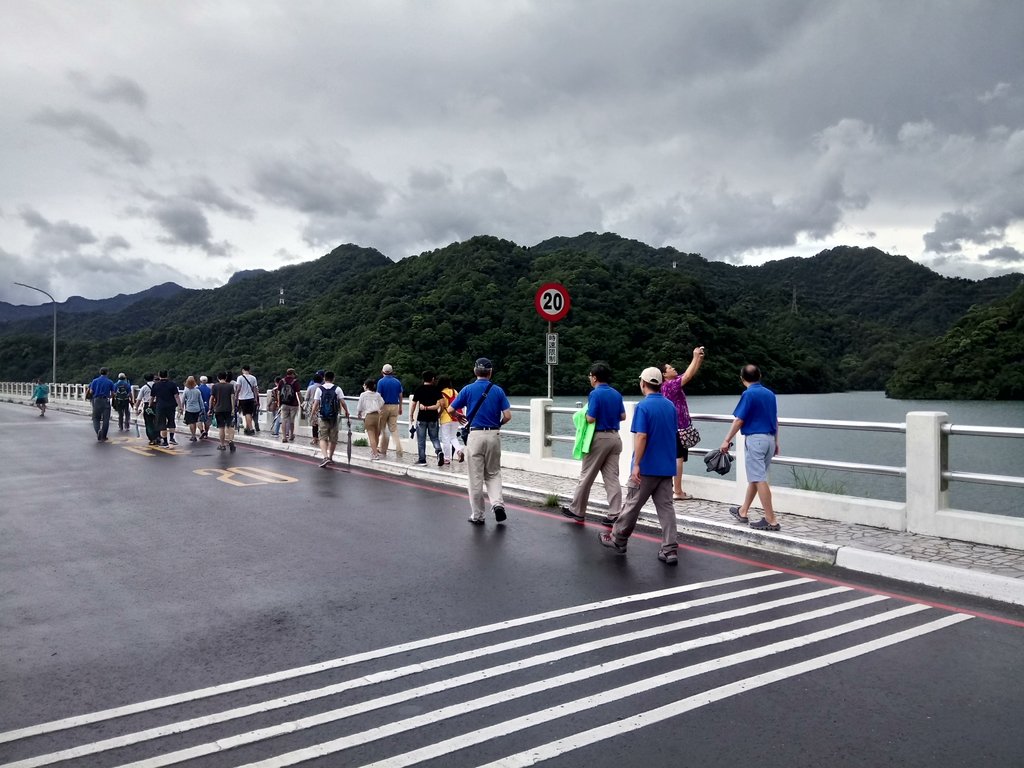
(487, 409)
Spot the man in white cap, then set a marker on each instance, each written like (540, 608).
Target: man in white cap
(652, 470)
(390, 389)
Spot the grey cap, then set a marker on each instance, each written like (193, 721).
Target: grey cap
(483, 364)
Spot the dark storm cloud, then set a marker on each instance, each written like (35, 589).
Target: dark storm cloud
(96, 132)
(31, 271)
(954, 230)
(185, 224)
(315, 183)
(203, 190)
(115, 243)
(111, 89)
(1004, 255)
(55, 238)
(437, 208)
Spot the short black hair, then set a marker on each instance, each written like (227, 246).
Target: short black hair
(428, 375)
(148, 377)
(103, 371)
(750, 373)
(222, 375)
(601, 371)
(329, 376)
(318, 378)
(163, 374)
(371, 385)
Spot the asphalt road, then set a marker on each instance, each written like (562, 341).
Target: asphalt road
(198, 608)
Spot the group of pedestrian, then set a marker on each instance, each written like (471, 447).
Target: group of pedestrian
(660, 425)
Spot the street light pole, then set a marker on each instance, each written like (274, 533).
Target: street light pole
(53, 381)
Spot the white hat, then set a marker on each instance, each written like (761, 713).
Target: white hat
(121, 376)
(387, 368)
(651, 376)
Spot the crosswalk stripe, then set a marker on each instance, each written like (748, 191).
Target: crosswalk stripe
(451, 683)
(619, 727)
(186, 725)
(252, 682)
(640, 686)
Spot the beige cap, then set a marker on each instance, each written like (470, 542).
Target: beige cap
(387, 368)
(651, 376)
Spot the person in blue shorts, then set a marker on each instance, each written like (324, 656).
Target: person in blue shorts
(488, 405)
(652, 470)
(757, 418)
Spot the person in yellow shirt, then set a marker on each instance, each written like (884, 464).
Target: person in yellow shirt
(450, 443)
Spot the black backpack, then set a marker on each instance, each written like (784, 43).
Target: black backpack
(328, 403)
(122, 392)
(287, 392)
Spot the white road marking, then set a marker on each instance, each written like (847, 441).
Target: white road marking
(619, 727)
(546, 658)
(510, 726)
(252, 682)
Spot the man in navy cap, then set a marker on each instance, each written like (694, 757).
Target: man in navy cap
(487, 409)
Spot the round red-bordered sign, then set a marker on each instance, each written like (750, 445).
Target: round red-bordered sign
(552, 302)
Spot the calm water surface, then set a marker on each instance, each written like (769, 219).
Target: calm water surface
(997, 456)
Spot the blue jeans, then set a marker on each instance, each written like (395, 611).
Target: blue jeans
(424, 428)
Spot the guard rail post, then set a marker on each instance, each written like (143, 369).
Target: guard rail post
(540, 428)
(626, 434)
(927, 459)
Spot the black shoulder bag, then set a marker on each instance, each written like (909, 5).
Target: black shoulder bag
(464, 432)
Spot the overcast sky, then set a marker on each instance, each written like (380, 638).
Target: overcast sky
(178, 140)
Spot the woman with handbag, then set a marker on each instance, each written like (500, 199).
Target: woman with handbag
(687, 434)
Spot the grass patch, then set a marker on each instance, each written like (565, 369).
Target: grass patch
(552, 500)
(815, 480)
(360, 442)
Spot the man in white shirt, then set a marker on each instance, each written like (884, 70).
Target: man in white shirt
(248, 392)
(329, 402)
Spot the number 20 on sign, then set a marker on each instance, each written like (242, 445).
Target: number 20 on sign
(552, 302)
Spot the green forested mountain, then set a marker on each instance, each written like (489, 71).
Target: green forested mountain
(980, 358)
(839, 320)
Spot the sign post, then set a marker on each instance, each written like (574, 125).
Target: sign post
(552, 304)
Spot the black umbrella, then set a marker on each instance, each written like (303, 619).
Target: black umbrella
(718, 461)
(348, 443)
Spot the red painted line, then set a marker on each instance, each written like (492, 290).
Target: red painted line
(691, 547)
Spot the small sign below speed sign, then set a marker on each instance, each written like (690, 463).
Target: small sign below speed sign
(552, 302)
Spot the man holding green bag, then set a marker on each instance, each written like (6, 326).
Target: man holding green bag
(605, 411)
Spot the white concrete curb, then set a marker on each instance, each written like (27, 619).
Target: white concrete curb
(962, 580)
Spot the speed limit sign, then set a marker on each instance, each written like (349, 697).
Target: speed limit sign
(552, 302)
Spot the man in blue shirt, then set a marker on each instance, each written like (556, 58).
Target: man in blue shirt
(487, 405)
(757, 419)
(605, 410)
(102, 388)
(390, 388)
(652, 470)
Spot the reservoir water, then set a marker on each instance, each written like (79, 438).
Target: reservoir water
(988, 455)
